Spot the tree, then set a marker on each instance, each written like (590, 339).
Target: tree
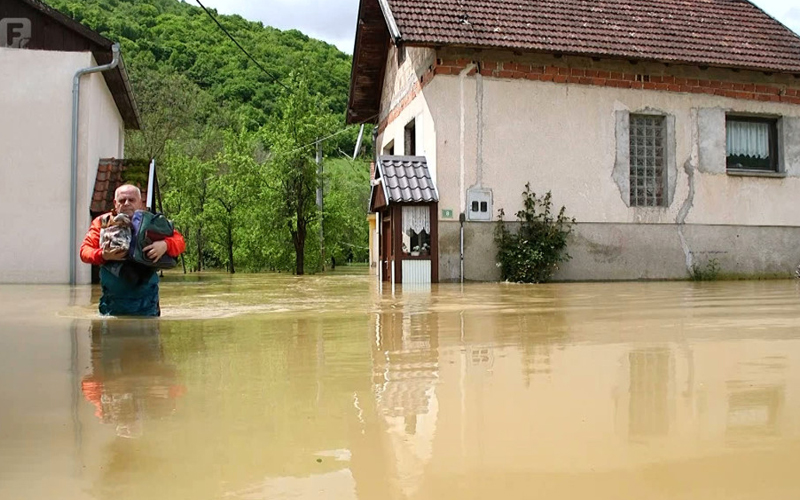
(169, 105)
(302, 120)
(186, 202)
(347, 192)
(232, 189)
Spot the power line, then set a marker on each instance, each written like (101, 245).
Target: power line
(272, 76)
(268, 73)
(345, 129)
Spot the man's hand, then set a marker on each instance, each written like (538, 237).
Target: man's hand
(156, 250)
(116, 254)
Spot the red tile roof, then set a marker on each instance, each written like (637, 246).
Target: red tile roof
(111, 174)
(726, 33)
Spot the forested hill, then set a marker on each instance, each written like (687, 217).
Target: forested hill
(170, 35)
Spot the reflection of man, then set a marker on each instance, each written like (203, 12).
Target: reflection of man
(129, 288)
(130, 382)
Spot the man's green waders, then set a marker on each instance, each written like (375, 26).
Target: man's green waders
(124, 297)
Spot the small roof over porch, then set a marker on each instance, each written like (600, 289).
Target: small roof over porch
(402, 179)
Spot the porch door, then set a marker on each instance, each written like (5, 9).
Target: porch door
(386, 247)
(417, 245)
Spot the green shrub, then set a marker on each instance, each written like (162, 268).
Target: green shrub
(532, 254)
(708, 272)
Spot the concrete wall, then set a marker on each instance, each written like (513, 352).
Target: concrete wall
(498, 134)
(622, 251)
(35, 135)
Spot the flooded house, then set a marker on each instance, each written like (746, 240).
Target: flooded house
(670, 131)
(51, 141)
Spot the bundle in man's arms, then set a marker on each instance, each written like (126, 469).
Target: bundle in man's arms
(120, 232)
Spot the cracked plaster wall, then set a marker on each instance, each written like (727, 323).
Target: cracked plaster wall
(572, 140)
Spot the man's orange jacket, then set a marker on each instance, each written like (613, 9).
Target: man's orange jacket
(91, 253)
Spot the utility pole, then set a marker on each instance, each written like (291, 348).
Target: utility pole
(321, 204)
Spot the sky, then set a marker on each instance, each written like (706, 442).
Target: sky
(335, 20)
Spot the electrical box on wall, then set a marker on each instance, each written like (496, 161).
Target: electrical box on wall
(479, 204)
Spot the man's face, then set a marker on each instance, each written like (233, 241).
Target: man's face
(128, 201)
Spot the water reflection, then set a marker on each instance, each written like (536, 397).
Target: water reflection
(755, 411)
(654, 391)
(649, 398)
(405, 373)
(130, 382)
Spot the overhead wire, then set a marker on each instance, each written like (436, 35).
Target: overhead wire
(273, 77)
(262, 68)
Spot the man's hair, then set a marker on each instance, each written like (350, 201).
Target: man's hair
(127, 186)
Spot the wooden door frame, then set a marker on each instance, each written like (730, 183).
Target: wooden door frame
(397, 232)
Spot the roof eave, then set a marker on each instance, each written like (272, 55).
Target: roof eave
(135, 122)
(391, 23)
(372, 36)
(70, 23)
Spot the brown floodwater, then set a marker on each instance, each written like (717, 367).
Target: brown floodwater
(279, 387)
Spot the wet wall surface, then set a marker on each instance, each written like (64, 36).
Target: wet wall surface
(278, 387)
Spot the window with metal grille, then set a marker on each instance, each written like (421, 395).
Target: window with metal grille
(648, 180)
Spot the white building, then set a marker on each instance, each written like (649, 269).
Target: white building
(671, 143)
(40, 52)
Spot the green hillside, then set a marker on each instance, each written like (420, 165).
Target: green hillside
(177, 36)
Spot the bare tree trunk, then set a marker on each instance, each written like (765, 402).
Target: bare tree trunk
(301, 247)
(199, 249)
(230, 247)
(299, 240)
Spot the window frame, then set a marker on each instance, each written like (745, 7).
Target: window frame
(772, 121)
(424, 253)
(410, 138)
(633, 200)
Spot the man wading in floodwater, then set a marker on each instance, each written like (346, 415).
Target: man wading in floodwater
(129, 288)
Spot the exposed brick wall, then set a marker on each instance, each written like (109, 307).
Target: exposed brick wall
(424, 80)
(627, 80)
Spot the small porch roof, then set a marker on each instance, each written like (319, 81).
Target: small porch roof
(402, 179)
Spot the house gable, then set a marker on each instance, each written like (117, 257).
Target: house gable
(53, 31)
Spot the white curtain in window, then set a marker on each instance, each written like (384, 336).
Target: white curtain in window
(416, 219)
(748, 139)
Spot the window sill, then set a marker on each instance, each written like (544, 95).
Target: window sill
(741, 172)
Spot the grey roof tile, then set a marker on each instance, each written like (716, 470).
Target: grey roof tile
(407, 179)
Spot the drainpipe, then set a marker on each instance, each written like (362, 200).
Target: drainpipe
(462, 166)
(73, 209)
(378, 221)
(461, 218)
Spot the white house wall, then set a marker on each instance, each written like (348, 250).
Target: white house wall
(563, 138)
(403, 82)
(35, 136)
(103, 133)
